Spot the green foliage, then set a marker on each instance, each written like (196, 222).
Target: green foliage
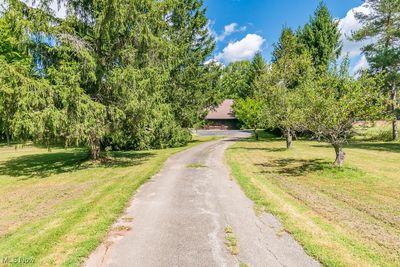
(321, 37)
(291, 65)
(283, 108)
(249, 112)
(126, 74)
(15, 64)
(192, 84)
(258, 66)
(336, 101)
(238, 78)
(279, 86)
(383, 25)
(373, 132)
(18, 93)
(234, 82)
(298, 96)
(11, 49)
(383, 55)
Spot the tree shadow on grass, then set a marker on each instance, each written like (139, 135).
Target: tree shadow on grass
(252, 139)
(43, 165)
(126, 158)
(388, 147)
(267, 149)
(294, 167)
(2, 144)
(49, 163)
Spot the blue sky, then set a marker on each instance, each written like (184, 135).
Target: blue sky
(242, 27)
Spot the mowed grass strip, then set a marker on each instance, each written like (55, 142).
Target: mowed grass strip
(342, 217)
(57, 206)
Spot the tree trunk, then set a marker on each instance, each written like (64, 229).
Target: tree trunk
(256, 134)
(8, 137)
(94, 146)
(393, 97)
(289, 139)
(340, 155)
(95, 151)
(294, 136)
(395, 130)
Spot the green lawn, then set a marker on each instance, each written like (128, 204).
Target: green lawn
(56, 207)
(342, 217)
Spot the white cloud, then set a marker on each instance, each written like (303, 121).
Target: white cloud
(241, 50)
(361, 64)
(213, 61)
(210, 26)
(229, 29)
(60, 11)
(348, 25)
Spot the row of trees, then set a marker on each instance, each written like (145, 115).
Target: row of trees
(125, 74)
(305, 89)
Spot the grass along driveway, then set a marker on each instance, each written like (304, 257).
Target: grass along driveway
(347, 217)
(56, 206)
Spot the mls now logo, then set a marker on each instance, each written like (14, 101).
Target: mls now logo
(20, 260)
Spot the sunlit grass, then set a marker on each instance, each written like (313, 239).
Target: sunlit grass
(57, 206)
(342, 216)
(371, 132)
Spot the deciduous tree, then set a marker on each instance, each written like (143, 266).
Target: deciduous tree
(335, 101)
(249, 111)
(279, 86)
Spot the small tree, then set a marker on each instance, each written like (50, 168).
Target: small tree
(278, 86)
(249, 112)
(283, 109)
(335, 102)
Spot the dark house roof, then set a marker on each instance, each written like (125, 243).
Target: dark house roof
(222, 112)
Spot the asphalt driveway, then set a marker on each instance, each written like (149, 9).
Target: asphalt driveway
(180, 217)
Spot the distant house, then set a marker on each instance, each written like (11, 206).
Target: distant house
(222, 117)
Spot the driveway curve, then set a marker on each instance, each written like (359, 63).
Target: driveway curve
(180, 216)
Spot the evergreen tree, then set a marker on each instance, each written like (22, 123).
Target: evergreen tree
(17, 78)
(321, 37)
(291, 64)
(383, 24)
(192, 83)
(258, 66)
(127, 74)
(11, 55)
